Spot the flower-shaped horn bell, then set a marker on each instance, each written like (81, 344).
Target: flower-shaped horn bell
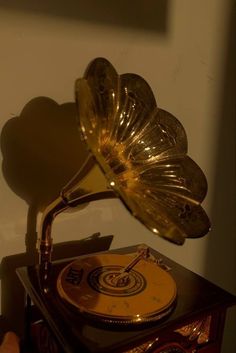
(141, 156)
(142, 152)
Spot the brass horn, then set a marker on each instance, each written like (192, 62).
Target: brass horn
(138, 152)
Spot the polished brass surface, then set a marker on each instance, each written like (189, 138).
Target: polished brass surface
(89, 184)
(197, 330)
(142, 150)
(138, 153)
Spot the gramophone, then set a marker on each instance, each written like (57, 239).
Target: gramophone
(138, 153)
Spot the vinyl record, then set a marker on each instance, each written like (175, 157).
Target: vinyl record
(95, 287)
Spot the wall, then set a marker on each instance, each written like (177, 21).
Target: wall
(183, 50)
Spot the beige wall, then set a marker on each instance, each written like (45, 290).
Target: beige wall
(181, 48)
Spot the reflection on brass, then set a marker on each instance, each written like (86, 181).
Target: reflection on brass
(142, 151)
(141, 156)
(198, 330)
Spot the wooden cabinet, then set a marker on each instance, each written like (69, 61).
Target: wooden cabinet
(196, 323)
(202, 335)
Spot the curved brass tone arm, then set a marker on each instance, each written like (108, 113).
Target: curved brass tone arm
(89, 184)
(45, 239)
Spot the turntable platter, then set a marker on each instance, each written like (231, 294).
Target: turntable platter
(90, 285)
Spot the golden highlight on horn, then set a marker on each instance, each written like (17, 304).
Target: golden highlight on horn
(138, 153)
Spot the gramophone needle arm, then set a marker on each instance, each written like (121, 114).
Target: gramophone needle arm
(142, 253)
